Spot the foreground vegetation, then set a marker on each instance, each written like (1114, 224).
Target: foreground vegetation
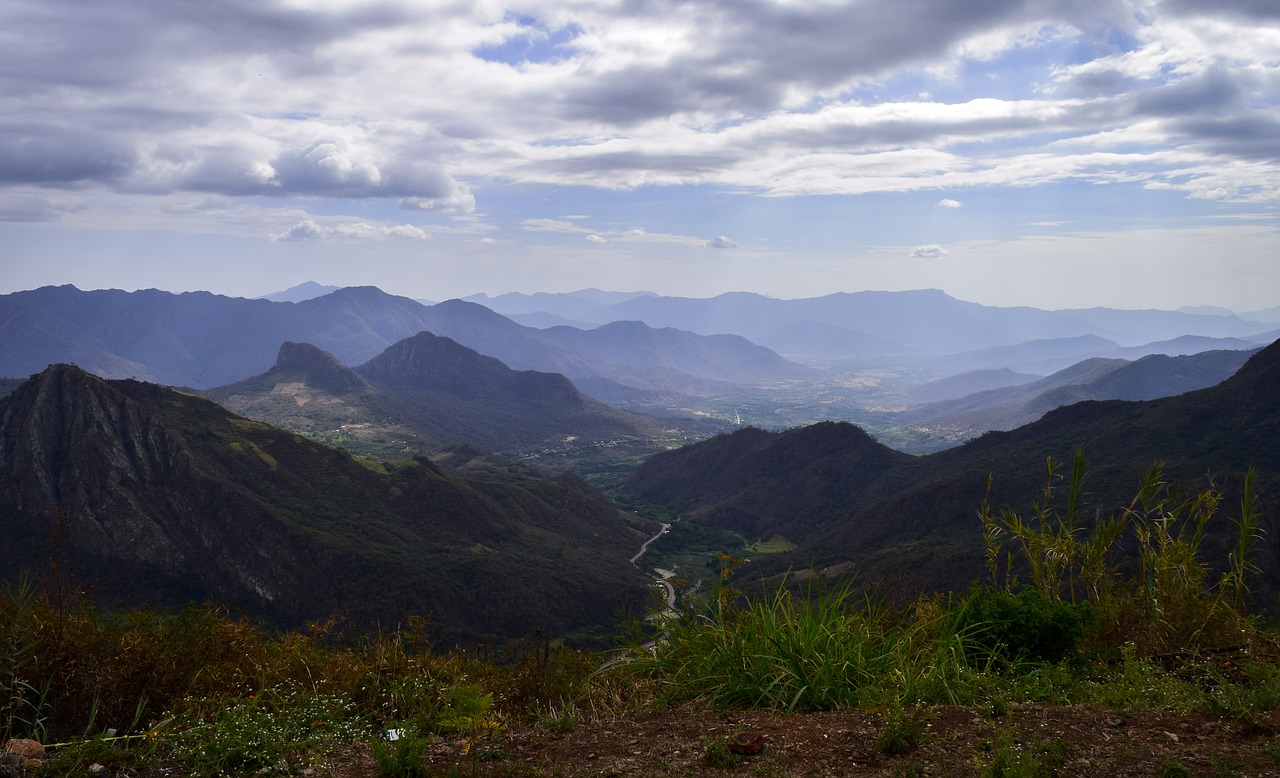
(1066, 618)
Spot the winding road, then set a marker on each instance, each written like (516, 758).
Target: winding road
(659, 574)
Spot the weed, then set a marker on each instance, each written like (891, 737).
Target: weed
(900, 734)
(1272, 748)
(1172, 769)
(716, 753)
(270, 732)
(1010, 758)
(23, 702)
(402, 756)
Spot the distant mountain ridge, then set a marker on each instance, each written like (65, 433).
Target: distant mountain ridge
(202, 340)
(924, 321)
(154, 496)
(296, 294)
(1148, 378)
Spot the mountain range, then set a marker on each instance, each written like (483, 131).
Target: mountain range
(872, 323)
(158, 497)
(866, 357)
(972, 413)
(203, 340)
(854, 506)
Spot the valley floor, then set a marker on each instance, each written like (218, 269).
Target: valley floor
(1030, 740)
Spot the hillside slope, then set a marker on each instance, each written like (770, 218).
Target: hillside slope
(154, 496)
(915, 518)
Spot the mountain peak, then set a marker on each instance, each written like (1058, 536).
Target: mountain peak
(432, 359)
(303, 291)
(320, 368)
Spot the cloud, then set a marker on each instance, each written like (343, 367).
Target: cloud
(28, 208)
(947, 202)
(633, 235)
(425, 105)
(309, 229)
(931, 251)
(721, 242)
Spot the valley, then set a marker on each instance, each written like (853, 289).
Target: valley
(875, 403)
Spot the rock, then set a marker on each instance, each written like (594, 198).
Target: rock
(24, 747)
(747, 743)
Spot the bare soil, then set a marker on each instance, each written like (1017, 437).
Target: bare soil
(1028, 740)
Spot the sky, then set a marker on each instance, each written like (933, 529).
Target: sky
(1052, 153)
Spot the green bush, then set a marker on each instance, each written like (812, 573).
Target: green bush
(1021, 626)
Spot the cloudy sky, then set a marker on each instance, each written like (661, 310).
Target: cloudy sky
(1055, 153)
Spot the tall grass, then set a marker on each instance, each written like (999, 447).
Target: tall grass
(1143, 568)
(806, 652)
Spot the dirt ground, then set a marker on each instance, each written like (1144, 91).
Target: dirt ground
(1026, 741)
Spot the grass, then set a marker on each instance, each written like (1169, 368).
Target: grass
(209, 693)
(774, 545)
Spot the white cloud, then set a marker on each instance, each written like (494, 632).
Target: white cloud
(721, 242)
(947, 202)
(310, 229)
(633, 235)
(931, 251)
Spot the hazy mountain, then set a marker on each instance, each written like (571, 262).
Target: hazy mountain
(150, 495)
(964, 384)
(630, 354)
(825, 341)
(927, 321)
(296, 294)
(1186, 345)
(1133, 328)
(633, 350)
(1041, 357)
(1269, 315)
(913, 520)
(1207, 310)
(198, 339)
(541, 320)
(195, 338)
(1148, 378)
(569, 305)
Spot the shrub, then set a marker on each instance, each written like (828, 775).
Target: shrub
(1021, 626)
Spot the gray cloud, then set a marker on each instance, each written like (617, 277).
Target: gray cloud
(157, 96)
(45, 154)
(755, 51)
(1249, 9)
(28, 209)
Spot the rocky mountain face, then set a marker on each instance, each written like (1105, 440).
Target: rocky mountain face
(153, 496)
